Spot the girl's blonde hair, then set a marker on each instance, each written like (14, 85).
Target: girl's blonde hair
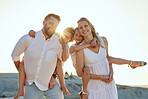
(92, 29)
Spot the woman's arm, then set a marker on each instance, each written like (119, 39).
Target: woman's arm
(110, 64)
(80, 66)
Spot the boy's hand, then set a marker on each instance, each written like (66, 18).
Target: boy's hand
(32, 33)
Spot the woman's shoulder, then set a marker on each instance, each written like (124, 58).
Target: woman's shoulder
(103, 38)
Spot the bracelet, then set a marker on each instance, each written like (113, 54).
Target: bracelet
(54, 75)
(130, 63)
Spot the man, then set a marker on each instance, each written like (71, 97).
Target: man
(40, 58)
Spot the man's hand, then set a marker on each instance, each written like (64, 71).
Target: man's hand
(51, 83)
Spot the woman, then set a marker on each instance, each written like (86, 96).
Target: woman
(97, 61)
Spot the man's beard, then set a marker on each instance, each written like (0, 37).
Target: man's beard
(49, 31)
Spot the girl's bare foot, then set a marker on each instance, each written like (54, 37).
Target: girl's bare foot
(65, 90)
(135, 64)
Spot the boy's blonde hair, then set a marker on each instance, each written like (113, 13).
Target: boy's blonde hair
(70, 30)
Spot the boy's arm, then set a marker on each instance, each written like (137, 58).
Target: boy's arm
(64, 52)
(19, 48)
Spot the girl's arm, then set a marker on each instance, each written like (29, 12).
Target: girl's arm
(80, 66)
(78, 47)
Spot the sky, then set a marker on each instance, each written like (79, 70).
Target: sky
(123, 22)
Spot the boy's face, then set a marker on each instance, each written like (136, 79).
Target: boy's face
(78, 37)
(67, 36)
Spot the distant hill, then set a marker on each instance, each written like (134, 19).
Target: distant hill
(9, 87)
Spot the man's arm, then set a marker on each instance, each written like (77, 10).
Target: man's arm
(19, 48)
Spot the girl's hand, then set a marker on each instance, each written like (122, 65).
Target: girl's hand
(93, 44)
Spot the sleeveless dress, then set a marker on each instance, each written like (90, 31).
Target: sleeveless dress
(98, 64)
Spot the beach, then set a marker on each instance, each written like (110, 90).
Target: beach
(9, 87)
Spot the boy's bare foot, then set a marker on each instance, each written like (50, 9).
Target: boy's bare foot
(65, 90)
(19, 93)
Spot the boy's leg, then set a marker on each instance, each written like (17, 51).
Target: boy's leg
(55, 92)
(21, 80)
(32, 92)
(59, 71)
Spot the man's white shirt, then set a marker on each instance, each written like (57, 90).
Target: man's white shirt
(40, 57)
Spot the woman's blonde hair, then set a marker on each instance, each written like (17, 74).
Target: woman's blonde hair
(92, 29)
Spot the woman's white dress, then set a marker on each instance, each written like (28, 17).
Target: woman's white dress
(98, 64)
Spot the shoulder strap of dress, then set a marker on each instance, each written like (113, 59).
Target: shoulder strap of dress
(101, 41)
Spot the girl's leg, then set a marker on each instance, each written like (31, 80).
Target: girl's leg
(85, 80)
(59, 71)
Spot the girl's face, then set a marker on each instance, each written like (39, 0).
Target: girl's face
(78, 37)
(84, 28)
(67, 36)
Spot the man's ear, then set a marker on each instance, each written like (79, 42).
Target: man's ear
(43, 22)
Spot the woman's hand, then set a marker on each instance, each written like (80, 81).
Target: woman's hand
(111, 76)
(105, 78)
